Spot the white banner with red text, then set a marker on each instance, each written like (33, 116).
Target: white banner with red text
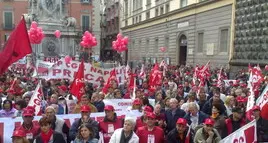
(245, 134)
(263, 98)
(63, 70)
(123, 104)
(7, 125)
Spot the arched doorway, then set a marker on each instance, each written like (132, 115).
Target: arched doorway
(182, 49)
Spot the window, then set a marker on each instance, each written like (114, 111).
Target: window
(156, 11)
(85, 1)
(126, 23)
(167, 42)
(200, 42)
(156, 44)
(8, 19)
(85, 23)
(134, 5)
(183, 3)
(224, 40)
(133, 20)
(133, 44)
(148, 15)
(139, 46)
(139, 18)
(126, 7)
(147, 45)
(167, 8)
(148, 2)
(161, 10)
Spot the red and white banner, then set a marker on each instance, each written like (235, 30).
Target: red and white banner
(263, 99)
(227, 82)
(122, 104)
(64, 70)
(7, 125)
(246, 134)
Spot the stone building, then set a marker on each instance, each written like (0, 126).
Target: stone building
(71, 17)
(193, 31)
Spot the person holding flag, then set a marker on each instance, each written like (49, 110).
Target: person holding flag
(181, 134)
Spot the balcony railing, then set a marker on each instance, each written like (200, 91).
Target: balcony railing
(8, 26)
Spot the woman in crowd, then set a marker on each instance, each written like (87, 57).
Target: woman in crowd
(19, 136)
(8, 110)
(85, 135)
(125, 134)
(229, 104)
(166, 101)
(47, 135)
(219, 119)
(19, 105)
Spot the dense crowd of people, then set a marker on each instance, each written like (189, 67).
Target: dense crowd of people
(181, 112)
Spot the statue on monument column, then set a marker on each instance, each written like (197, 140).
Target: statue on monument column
(50, 9)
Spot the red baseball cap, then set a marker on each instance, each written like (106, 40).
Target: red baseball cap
(109, 108)
(182, 121)
(85, 108)
(19, 133)
(28, 112)
(136, 102)
(63, 88)
(209, 121)
(147, 109)
(256, 107)
(150, 115)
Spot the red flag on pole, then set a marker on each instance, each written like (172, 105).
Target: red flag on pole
(112, 77)
(36, 99)
(78, 85)
(17, 46)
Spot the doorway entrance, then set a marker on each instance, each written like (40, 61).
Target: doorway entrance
(182, 49)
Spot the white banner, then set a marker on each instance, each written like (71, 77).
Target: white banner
(123, 104)
(7, 125)
(245, 134)
(64, 70)
(36, 99)
(263, 99)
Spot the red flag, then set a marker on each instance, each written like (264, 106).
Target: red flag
(112, 77)
(155, 78)
(220, 79)
(187, 139)
(142, 72)
(78, 85)
(17, 46)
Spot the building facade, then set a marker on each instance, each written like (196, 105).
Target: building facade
(85, 12)
(110, 29)
(193, 32)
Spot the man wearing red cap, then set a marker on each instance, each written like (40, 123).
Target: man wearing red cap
(179, 134)
(110, 123)
(19, 137)
(207, 133)
(85, 118)
(150, 133)
(30, 128)
(141, 121)
(262, 125)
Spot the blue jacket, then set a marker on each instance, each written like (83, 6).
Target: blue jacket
(201, 117)
(99, 105)
(207, 108)
(171, 120)
(74, 128)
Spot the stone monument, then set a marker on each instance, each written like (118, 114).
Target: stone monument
(52, 15)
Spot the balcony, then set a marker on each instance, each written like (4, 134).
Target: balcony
(8, 26)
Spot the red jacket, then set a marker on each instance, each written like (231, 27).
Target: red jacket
(108, 127)
(154, 136)
(30, 133)
(229, 125)
(139, 122)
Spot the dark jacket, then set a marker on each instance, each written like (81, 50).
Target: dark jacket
(171, 120)
(56, 137)
(201, 117)
(262, 130)
(207, 108)
(173, 137)
(99, 105)
(229, 124)
(74, 128)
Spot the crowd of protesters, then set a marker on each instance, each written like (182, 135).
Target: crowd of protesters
(180, 113)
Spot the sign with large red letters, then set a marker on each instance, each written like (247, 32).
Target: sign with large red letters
(246, 134)
(62, 70)
(7, 125)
